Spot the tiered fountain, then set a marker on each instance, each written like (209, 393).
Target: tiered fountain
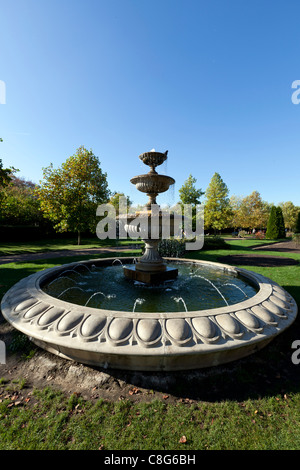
(151, 268)
(157, 314)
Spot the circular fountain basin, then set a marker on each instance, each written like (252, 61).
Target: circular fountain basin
(175, 335)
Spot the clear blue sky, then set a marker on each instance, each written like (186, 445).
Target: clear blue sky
(210, 81)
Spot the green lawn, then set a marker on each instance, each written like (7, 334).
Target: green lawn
(41, 246)
(253, 403)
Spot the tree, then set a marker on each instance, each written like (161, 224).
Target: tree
(217, 209)
(249, 212)
(5, 175)
(189, 194)
(290, 212)
(115, 199)
(20, 206)
(275, 227)
(69, 195)
(236, 208)
(280, 223)
(297, 225)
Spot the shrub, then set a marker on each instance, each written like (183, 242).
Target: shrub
(242, 233)
(171, 248)
(215, 243)
(259, 235)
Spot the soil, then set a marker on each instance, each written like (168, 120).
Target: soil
(268, 371)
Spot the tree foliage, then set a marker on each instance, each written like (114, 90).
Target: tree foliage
(290, 213)
(217, 209)
(297, 225)
(115, 199)
(69, 195)
(275, 227)
(20, 205)
(250, 211)
(188, 192)
(5, 175)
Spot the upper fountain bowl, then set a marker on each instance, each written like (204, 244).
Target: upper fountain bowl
(153, 159)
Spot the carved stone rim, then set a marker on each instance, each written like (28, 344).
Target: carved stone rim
(148, 341)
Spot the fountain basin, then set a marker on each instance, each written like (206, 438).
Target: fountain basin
(149, 341)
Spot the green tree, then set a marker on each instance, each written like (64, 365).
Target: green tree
(272, 229)
(275, 227)
(115, 198)
(217, 208)
(20, 206)
(69, 195)
(280, 223)
(189, 194)
(5, 175)
(297, 225)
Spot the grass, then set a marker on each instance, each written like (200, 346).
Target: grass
(253, 403)
(43, 246)
(51, 421)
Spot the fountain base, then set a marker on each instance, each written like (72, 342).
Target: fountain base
(131, 272)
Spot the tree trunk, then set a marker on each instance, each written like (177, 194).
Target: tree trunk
(79, 238)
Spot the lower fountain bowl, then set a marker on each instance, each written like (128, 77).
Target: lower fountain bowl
(154, 341)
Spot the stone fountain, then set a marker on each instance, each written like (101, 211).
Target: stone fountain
(155, 315)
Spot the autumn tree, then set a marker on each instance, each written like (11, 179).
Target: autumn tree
(236, 208)
(249, 212)
(217, 209)
(290, 213)
(69, 195)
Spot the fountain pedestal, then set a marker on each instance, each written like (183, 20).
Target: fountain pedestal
(151, 267)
